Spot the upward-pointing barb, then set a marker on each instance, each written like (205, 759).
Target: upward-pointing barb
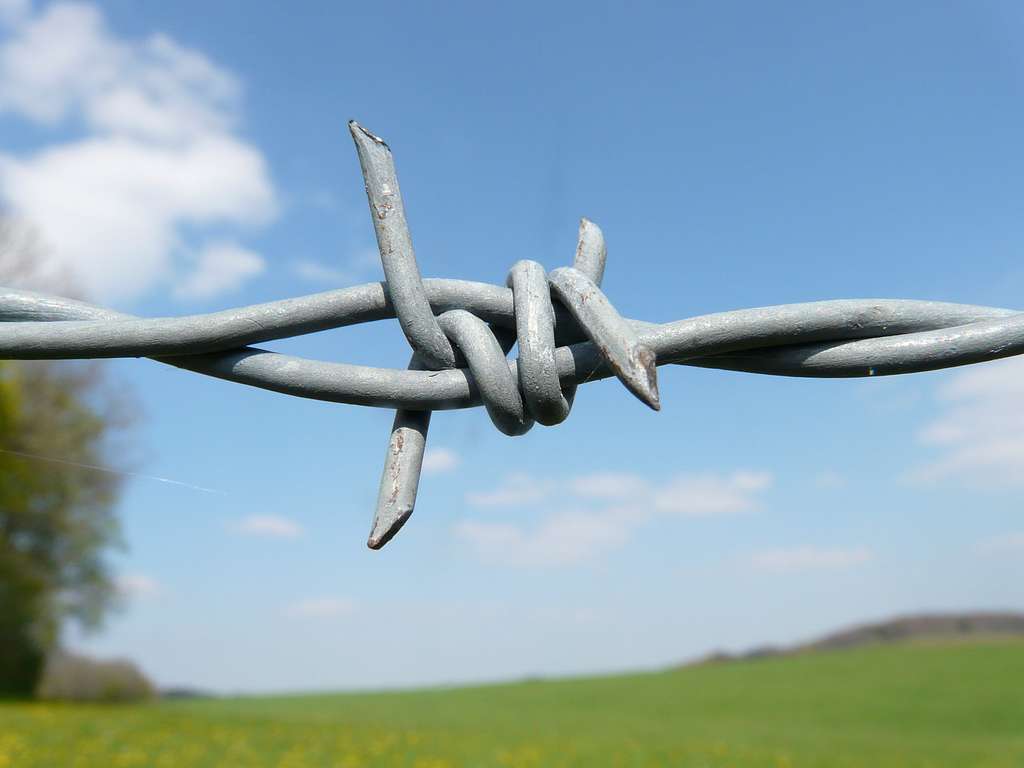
(591, 251)
(394, 241)
(355, 127)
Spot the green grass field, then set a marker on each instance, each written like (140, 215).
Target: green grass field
(915, 705)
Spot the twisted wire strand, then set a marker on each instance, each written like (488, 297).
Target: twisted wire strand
(461, 333)
(841, 338)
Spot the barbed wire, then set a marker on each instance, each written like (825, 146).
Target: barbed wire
(566, 331)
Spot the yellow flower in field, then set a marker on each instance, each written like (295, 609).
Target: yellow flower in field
(131, 758)
(521, 757)
(431, 762)
(381, 744)
(11, 742)
(5, 761)
(350, 761)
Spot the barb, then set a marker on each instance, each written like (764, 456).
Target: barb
(567, 331)
(403, 464)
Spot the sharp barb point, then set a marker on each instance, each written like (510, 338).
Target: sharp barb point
(642, 376)
(356, 129)
(383, 532)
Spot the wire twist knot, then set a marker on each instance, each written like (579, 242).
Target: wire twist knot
(457, 337)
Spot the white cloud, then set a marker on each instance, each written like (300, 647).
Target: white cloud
(566, 538)
(810, 559)
(156, 161)
(712, 494)
(65, 62)
(270, 526)
(364, 264)
(315, 272)
(136, 586)
(979, 432)
(438, 460)
(608, 485)
(220, 268)
(706, 493)
(321, 607)
(1007, 544)
(515, 490)
(616, 502)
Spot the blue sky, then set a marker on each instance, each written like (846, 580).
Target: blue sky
(186, 157)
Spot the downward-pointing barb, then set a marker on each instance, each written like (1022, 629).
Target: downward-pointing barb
(632, 362)
(400, 479)
(645, 368)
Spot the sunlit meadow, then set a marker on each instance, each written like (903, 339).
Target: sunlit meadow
(916, 705)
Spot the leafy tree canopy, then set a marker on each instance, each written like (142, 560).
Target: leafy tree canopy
(57, 517)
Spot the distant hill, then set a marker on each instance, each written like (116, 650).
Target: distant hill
(938, 626)
(927, 626)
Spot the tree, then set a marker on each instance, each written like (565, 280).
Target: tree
(56, 509)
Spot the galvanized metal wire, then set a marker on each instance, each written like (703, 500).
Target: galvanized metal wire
(566, 330)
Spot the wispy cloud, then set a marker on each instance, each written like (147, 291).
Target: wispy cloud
(363, 264)
(608, 485)
(315, 272)
(220, 268)
(157, 159)
(321, 607)
(705, 493)
(438, 460)
(978, 435)
(565, 538)
(515, 490)
(711, 494)
(810, 559)
(590, 515)
(268, 526)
